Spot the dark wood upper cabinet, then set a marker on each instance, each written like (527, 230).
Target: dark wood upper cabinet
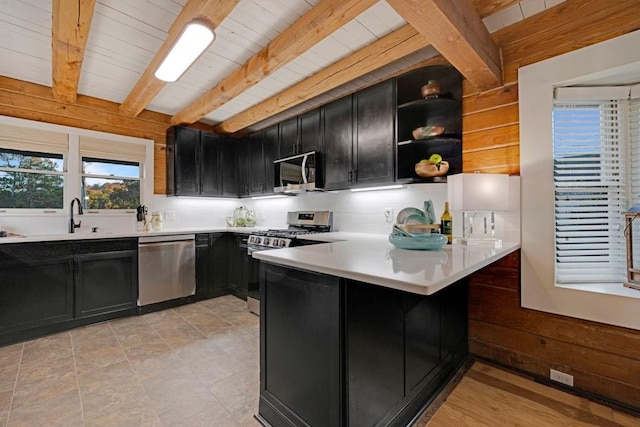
(358, 138)
(257, 179)
(261, 154)
(288, 138)
(210, 165)
(194, 162)
(337, 130)
(229, 158)
(270, 149)
(310, 136)
(373, 134)
(361, 140)
(243, 162)
(183, 159)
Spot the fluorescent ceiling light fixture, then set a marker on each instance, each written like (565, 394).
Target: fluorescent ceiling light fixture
(386, 187)
(193, 40)
(276, 196)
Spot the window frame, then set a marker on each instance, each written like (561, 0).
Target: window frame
(84, 175)
(72, 166)
(61, 173)
(536, 85)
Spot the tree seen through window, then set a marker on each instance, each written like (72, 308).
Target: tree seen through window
(31, 180)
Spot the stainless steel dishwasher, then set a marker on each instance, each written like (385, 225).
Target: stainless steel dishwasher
(167, 268)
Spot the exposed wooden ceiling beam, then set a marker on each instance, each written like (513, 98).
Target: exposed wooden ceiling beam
(456, 30)
(489, 7)
(148, 86)
(71, 21)
(392, 47)
(317, 24)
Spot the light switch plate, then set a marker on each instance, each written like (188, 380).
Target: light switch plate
(388, 215)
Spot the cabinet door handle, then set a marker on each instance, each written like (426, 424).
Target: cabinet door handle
(350, 176)
(355, 175)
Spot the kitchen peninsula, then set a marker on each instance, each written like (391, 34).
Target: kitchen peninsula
(356, 332)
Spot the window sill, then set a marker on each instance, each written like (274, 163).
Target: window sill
(616, 289)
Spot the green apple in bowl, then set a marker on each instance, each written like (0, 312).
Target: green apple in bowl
(433, 166)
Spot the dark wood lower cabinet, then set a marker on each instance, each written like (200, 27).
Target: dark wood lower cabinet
(212, 264)
(106, 283)
(36, 287)
(374, 352)
(300, 348)
(49, 287)
(242, 268)
(336, 352)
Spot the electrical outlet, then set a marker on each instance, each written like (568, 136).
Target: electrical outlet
(561, 377)
(169, 215)
(388, 215)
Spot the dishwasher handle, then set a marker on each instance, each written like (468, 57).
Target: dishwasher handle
(157, 244)
(166, 238)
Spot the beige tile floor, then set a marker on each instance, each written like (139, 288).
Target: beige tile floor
(195, 365)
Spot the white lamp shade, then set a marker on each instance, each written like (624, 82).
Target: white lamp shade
(478, 192)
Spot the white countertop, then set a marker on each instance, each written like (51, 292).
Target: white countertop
(370, 258)
(364, 257)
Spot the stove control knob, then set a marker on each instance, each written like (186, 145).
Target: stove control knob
(281, 243)
(252, 239)
(267, 241)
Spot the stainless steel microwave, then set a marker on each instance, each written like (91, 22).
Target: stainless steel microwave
(296, 173)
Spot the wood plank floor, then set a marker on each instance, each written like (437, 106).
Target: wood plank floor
(489, 396)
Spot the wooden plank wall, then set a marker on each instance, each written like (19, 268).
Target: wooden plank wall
(604, 360)
(35, 102)
(490, 119)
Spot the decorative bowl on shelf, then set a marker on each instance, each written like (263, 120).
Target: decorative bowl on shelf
(429, 169)
(427, 132)
(424, 242)
(432, 88)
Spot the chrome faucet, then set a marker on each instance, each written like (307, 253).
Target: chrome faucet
(72, 224)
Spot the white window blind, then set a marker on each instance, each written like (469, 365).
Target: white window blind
(590, 192)
(111, 150)
(634, 162)
(36, 140)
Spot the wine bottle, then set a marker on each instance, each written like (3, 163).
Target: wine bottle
(446, 222)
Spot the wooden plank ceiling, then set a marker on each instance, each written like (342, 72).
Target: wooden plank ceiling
(269, 57)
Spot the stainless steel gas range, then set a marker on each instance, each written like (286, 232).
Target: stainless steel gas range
(300, 224)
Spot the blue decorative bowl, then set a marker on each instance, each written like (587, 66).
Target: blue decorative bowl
(424, 242)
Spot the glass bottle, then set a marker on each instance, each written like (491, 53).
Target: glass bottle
(446, 222)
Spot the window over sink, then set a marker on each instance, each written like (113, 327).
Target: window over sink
(110, 184)
(30, 180)
(43, 167)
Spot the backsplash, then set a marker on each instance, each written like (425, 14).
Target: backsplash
(361, 212)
